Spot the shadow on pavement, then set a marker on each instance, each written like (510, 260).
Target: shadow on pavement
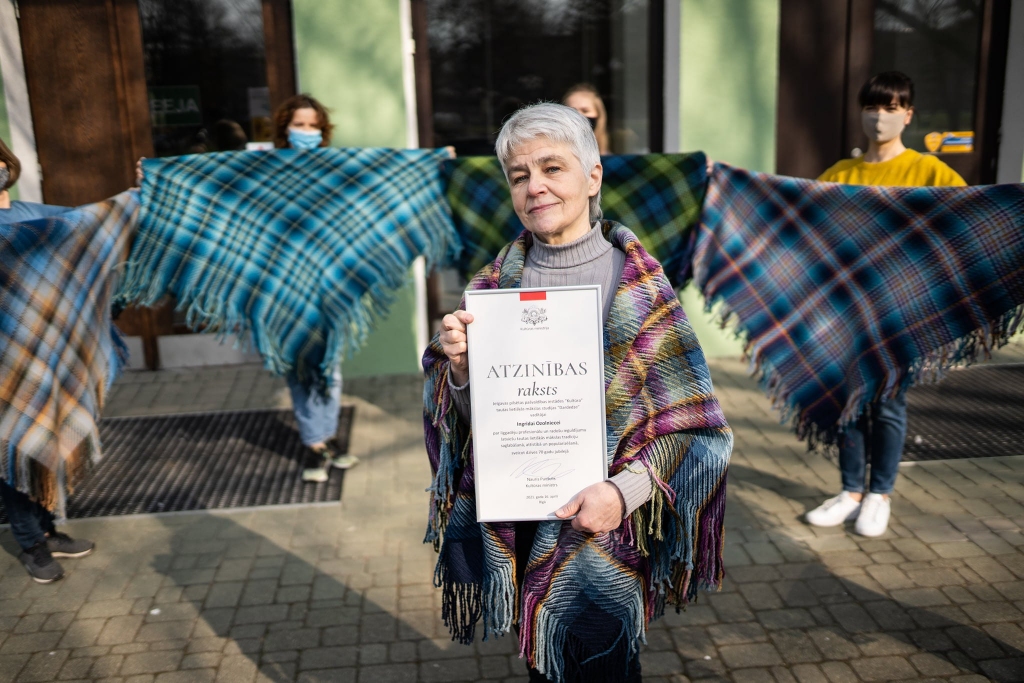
(311, 613)
(812, 608)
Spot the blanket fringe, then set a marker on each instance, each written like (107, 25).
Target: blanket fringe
(976, 345)
(51, 488)
(207, 303)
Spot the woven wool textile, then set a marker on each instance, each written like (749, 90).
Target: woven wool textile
(848, 293)
(662, 415)
(659, 195)
(298, 250)
(59, 352)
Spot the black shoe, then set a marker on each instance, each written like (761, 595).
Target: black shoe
(40, 564)
(62, 545)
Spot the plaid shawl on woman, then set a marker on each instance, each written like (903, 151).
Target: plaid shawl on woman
(59, 351)
(300, 250)
(661, 415)
(849, 293)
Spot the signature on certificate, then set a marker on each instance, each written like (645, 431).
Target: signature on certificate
(551, 468)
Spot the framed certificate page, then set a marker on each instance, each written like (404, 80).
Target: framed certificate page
(536, 372)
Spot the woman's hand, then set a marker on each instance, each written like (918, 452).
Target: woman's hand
(598, 508)
(455, 344)
(139, 175)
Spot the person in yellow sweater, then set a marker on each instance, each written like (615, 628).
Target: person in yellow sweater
(887, 106)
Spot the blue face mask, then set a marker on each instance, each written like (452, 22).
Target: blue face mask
(300, 139)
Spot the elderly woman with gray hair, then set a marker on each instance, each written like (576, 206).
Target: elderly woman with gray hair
(581, 592)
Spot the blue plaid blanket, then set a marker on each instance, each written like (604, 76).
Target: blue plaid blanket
(299, 251)
(657, 195)
(847, 294)
(59, 351)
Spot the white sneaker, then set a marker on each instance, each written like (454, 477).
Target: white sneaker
(344, 462)
(834, 511)
(318, 466)
(873, 519)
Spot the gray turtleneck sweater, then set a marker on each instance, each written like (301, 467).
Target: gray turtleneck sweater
(589, 260)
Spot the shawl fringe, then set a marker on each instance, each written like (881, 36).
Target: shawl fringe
(461, 605)
(963, 302)
(977, 345)
(453, 452)
(215, 290)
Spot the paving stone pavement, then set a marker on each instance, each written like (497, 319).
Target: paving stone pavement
(342, 592)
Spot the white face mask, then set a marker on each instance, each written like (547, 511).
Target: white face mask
(882, 126)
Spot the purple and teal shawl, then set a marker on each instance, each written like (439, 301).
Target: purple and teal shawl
(299, 251)
(848, 294)
(59, 351)
(662, 415)
(659, 195)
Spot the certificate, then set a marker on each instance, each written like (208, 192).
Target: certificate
(536, 372)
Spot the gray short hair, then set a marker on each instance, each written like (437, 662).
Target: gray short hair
(558, 123)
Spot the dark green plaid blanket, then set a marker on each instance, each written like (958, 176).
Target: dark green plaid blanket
(658, 196)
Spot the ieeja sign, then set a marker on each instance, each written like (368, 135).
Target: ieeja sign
(175, 105)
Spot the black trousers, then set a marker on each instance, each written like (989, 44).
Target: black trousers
(615, 667)
(30, 521)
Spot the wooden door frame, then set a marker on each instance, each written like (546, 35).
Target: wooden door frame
(988, 109)
(813, 91)
(656, 75)
(279, 49)
(123, 47)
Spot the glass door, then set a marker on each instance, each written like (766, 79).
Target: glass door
(490, 57)
(206, 74)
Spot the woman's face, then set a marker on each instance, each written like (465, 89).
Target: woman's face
(550, 190)
(305, 119)
(584, 103)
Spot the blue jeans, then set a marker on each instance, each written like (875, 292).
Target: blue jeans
(30, 521)
(879, 434)
(316, 415)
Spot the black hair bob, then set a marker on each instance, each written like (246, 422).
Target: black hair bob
(884, 87)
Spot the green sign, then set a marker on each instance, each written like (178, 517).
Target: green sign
(175, 105)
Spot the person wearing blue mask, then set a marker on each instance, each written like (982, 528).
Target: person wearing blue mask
(301, 122)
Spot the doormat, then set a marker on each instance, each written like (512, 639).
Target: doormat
(973, 413)
(201, 461)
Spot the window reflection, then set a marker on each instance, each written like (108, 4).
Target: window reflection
(936, 43)
(490, 57)
(205, 73)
